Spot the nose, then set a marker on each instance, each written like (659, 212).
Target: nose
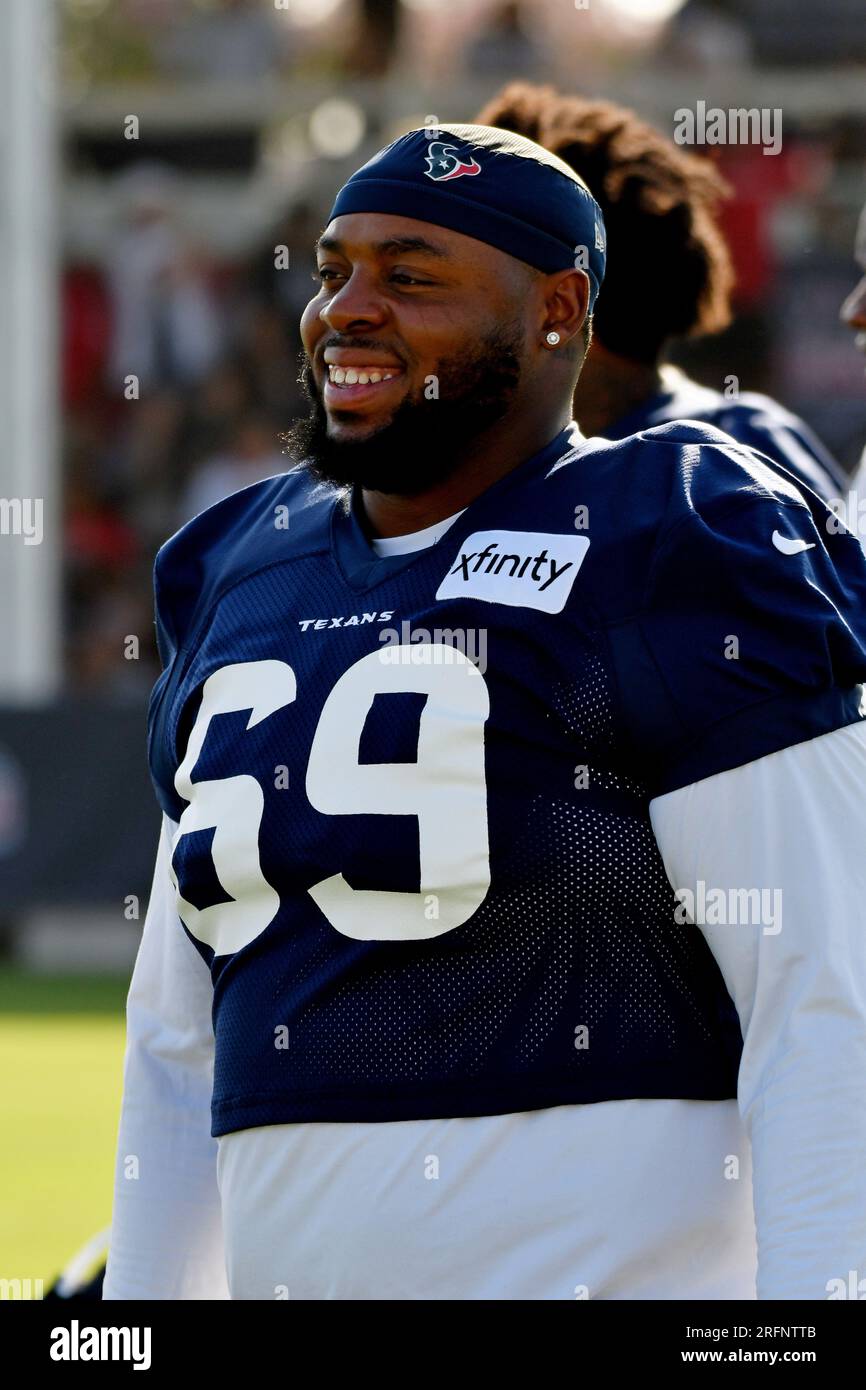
(354, 307)
(853, 311)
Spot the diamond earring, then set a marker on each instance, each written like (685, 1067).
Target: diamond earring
(552, 339)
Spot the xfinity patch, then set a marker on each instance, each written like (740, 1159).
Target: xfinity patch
(524, 569)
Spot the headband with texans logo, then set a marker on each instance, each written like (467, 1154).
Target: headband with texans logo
(489, 184)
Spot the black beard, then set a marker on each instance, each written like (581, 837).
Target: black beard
(425, 441)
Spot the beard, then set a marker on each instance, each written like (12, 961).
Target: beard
(425, 441)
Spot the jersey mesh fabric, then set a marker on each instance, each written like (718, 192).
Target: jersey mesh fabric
(572, 982)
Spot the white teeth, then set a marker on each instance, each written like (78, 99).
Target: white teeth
(357, 376)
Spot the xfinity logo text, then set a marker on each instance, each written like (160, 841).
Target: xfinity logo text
(523, 569)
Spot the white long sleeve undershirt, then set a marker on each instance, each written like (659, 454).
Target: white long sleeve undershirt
(793, 821)
(166, 1235)
(625, 1199)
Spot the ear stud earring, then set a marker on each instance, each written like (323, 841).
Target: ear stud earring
(552, 339)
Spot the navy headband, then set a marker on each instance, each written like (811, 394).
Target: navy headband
(489, 184)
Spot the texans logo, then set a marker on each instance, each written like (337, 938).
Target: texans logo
(443, 163)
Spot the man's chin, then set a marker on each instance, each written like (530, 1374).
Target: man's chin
(346, 428)
(371, 455)
(421, 442)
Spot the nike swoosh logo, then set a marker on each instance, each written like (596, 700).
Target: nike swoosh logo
(790, 547)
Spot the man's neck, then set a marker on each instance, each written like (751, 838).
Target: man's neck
(610, 387)
(501, 450)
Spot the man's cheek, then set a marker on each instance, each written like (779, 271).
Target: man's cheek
(311, 325)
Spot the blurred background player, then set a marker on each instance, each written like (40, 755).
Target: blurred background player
(669, 276)
(853, 312)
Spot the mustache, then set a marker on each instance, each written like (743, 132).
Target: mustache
(353, 344)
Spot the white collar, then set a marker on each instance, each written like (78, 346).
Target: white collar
(415, 540)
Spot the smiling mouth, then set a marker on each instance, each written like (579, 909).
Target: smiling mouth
(359, 376)
(362, 387)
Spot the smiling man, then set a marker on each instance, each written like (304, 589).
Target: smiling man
(416, 943)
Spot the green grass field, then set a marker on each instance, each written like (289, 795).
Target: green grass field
(61, 1063)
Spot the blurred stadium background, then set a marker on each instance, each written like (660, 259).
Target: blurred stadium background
(154, 157)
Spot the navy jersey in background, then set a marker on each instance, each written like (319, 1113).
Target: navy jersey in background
(751, 418)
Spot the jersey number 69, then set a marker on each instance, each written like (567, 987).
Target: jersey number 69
(445, 788)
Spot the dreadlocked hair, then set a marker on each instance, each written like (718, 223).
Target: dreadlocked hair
(669, 272)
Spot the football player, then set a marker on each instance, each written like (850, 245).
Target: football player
(660, 205)
(507, 919)
(853, 313)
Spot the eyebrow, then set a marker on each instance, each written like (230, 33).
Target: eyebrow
(394, 246)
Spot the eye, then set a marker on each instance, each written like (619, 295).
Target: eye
(402, 277)
(325, 273)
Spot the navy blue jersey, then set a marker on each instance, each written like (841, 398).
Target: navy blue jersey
(413, 792)
(752, 419)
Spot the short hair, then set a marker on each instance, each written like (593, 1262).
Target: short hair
(669, 272)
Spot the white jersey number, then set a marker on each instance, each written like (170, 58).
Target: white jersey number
(445, 788)
(233, 806)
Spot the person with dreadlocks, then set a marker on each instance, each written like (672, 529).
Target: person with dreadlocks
(669, 276)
